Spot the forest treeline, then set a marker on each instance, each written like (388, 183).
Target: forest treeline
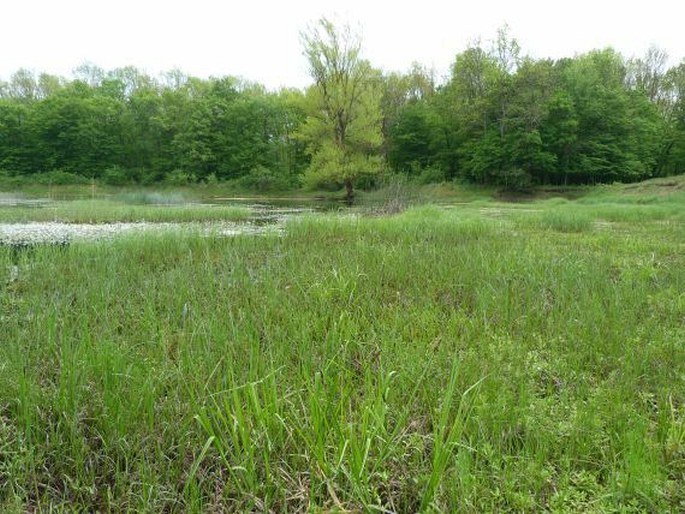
(499, 118)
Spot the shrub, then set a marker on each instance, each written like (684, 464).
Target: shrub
(515, 179)
(263, 179)
(58, 178)
(428, 175)
(179, 178)
(211, 179)
(117, 176)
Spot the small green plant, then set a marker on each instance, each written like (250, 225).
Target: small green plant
(674, 449)
(211, 179)
(179, 178)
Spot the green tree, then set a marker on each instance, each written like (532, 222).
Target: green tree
(77, 130)
(559, 133)
(412, 127)
(470, 115)
(23, 86)
(343, 125)
(415, 138)
(15, 147)
(402, 90)
(531, 89)
(616, 127)
(672, 158)
(143, 136)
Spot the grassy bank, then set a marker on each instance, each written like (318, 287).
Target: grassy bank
(479, 358)
(109, 211)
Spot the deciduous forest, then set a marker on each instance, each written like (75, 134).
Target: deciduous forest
(499, 118)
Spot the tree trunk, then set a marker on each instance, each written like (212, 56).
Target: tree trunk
(349, 197)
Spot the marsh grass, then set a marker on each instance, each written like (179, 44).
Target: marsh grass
(396, 193)
(560, 220)
(109, 211)
(142, 197)
(585, 214)
(437, 360)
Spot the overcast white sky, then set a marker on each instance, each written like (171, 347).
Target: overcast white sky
(259, 40)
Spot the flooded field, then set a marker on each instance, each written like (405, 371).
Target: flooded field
(26, 234)
(31, 221)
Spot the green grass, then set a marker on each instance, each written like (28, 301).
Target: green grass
(400, 191)
(557, 219)
(142, 197)
(480, 358)
(163, 209)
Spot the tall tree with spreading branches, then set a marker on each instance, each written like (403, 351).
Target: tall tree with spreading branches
(343, 125)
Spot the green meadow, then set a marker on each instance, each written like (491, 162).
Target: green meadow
(465, 356)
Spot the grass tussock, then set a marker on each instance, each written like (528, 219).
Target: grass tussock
(437, 360)
(559, 220)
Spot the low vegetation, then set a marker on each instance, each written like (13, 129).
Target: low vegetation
(123, 210)
(479, 357)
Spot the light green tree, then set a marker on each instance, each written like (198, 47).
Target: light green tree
(343, 125)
